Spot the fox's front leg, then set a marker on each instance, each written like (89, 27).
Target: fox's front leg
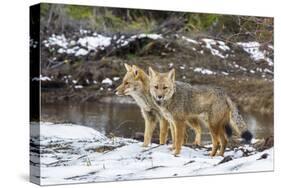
(149, 128)
(179, 136)
(198, 132)
(172, 129)
(163, 131)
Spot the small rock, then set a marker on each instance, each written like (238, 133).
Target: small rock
(263, 156)
(226, 159)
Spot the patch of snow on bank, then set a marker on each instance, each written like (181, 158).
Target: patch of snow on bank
(107, 81)
(81, 52)
(78, 87)
(94, 42)
(42, 78)
(204, 71)
(116, 78)
(253, 48)
(268, 71)
(225, 73)
(124, 42)
(151, 36)
(58, 40)
(190, 40)
(210, 43)
(223, 46)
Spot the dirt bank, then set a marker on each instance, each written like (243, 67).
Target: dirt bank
(247, 76)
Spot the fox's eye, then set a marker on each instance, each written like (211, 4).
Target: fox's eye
(126, 83)
(165, 87)
(156, 87)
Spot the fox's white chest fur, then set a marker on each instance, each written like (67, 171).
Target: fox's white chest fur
(142, 103)
(167, 114)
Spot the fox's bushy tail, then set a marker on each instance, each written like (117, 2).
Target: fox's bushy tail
(238, 126)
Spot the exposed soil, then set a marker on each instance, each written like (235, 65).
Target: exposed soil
(251, 91)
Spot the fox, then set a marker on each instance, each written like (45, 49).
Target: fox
(135, 83)
(181, 102)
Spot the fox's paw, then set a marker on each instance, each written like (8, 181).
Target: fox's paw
(172, 148)
(212, 154)
(162, 143)
(196, 143)
(220, 154)
(176, 153)
(144, 145)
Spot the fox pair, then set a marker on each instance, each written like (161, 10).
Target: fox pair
(176, 105)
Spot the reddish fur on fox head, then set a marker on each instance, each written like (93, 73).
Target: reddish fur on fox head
(162, 85)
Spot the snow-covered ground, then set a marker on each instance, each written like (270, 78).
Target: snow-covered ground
(74, 154)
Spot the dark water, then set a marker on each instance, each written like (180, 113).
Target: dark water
(125, 119)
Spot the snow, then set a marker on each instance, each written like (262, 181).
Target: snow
(93, 42)
(116, 78)
(259, 69)
(58, 40)
(223, 46)
(61, 50)
(253, 48)
(78, 87)
(225, 73)
(107, 81)
(81, 52)
(243, 68)
(72, 43)
(151, 36)
(72, 50)
(124, 42)
(271, 47)
(268, 71)
(68, 131)
(72, 153)
(90, 42)
(190, 40)
(83, 31)
(203, 71)
(42, 78)
(209, 43)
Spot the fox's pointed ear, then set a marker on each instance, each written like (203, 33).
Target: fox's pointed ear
(172, 75)
(151, 72)
(136, 71)
(128, 67)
